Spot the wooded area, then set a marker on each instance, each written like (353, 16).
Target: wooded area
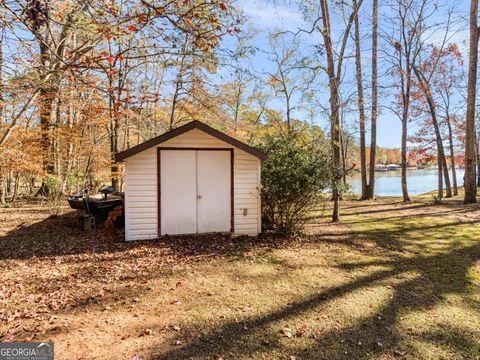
(83, 80)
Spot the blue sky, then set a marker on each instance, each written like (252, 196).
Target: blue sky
(268, 16)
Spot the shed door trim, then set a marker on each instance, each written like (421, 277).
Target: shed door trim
(159, 185)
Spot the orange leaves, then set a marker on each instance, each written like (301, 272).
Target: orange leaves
(110, 59)
(223, 6)
(132, 28)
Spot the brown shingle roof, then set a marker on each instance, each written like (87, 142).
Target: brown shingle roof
(183, 129)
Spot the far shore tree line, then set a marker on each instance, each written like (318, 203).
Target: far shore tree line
(82, 80)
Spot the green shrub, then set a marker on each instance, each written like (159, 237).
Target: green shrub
(294, 176)
(51, 186)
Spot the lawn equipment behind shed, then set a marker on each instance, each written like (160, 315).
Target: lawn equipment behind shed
(105, 211)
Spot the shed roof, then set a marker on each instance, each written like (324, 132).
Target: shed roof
(183, 129)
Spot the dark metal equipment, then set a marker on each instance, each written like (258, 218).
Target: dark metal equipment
(95, 209)
(106, 190)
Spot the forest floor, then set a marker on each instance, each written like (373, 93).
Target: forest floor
(392, 280)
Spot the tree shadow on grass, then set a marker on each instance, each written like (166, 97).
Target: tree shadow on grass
(392, 238)
(435, 277)
(450, 213)
(456, 339)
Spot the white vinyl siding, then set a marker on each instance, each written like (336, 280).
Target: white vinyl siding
(141, 196)
(141, 186)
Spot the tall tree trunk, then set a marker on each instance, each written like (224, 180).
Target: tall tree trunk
(16, 186)
(9, 183)
(452, 157)
(373, 126)
(45, 103)
(404, 154)
(171, 121)
(2, 187)
(113, 150)
(56, 144)
(361, 110)
(440, 177)
(334, 111)
(344, 148)
(405, 89)
(470, 175)
(70, 151)
(2, 175)
(46, 100)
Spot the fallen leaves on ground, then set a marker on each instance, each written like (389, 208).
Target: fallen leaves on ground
(48, 264)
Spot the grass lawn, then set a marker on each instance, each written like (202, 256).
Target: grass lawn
(392, 280)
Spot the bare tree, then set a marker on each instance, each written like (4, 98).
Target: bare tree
(449, 83)
(407, 45)
(286, 79)
(374, 111)
(234, 97)
(361, 108)
(334, 71)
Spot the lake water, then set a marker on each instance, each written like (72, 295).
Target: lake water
(389, 183)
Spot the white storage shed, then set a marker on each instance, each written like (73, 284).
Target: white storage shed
(191, 180)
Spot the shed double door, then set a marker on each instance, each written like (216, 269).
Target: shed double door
(195, 191)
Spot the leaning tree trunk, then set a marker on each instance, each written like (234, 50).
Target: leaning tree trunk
(470, 175)
(442, 162)
(373, 127)
(361, 110)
